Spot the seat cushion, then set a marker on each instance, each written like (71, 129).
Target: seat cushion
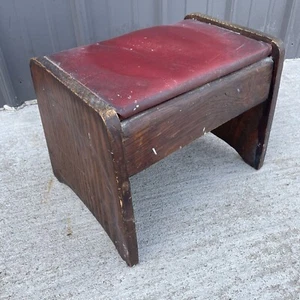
(144, 68)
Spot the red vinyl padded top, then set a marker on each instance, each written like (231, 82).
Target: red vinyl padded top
(141, 69)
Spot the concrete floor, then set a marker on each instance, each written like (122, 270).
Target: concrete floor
(209, 226)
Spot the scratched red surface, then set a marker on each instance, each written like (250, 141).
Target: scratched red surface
(144, 68)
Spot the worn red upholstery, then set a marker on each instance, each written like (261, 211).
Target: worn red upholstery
(144, 68)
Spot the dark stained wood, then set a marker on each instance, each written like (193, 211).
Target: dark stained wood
(249, 133)
(86, 152)
(156, 133)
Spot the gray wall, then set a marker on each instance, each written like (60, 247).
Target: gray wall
(38, 27)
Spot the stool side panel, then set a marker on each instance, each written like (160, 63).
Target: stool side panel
(256, 122)
(173, 124)
(81, 155)
(249, 133)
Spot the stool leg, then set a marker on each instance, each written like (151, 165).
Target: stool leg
(86, 153)
(248, 134)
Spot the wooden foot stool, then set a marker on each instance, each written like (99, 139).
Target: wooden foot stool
(111, 109)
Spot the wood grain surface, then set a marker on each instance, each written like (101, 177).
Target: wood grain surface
(156, 133)
(85, 147)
